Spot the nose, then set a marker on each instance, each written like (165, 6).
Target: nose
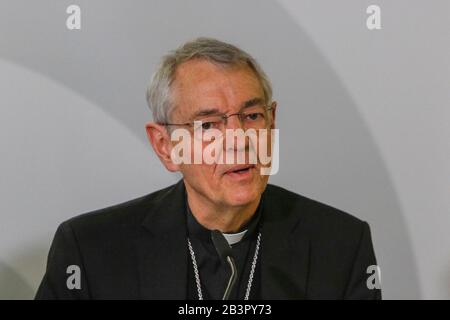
(236, 142)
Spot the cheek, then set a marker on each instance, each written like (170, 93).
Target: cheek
(201, 173)
(264, 148)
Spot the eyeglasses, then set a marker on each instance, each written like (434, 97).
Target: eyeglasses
(254, 117)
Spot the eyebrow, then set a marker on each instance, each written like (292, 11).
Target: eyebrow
(252, 102)
(206, 112)
(214, 111)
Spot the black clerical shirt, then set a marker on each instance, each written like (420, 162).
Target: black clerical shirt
(214, 274)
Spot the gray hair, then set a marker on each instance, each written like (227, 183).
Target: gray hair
(159, 97)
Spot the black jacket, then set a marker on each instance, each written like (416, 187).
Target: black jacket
(137, 250)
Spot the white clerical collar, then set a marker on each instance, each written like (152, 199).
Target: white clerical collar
(233, 238)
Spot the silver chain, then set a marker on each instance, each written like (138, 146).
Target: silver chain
(197, 277)
(252, 270)
(250, 278)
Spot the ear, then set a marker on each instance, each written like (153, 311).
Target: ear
(274, 110)
(160, 140)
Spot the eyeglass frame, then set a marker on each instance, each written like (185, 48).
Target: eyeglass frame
(224, 117)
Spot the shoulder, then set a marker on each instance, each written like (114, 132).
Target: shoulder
(336, 245)
(336, 239)
(124, 215)
(314, 216)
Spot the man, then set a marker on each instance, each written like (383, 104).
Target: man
(160, 246)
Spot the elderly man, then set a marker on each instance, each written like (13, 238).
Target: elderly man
(221, 231)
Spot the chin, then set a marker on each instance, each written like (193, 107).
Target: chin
(242, 196)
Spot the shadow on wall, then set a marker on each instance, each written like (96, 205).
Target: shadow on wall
(446, 284)
(21, 273)
(110, 60)
(13, 285)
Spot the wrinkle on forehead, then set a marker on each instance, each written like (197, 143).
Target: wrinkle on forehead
(200, 84)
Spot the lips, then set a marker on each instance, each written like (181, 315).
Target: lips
(239, 168)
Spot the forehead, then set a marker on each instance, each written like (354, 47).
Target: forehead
(200, 83)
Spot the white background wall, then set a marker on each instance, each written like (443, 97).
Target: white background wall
(363, 116)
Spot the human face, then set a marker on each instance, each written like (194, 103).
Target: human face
(201, 85)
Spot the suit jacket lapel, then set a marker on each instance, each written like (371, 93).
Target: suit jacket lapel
(162, 248)
(284, 251)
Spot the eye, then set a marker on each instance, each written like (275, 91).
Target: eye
(207, 125)
(254, 116)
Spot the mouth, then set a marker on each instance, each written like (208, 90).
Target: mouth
(240, 170)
